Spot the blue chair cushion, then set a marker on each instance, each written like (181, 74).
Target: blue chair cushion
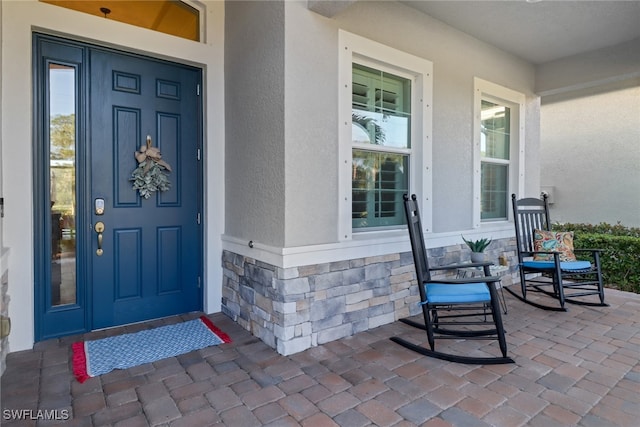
(566, 265)
(444, 293)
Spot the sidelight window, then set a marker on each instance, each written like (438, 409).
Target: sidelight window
(62, 182)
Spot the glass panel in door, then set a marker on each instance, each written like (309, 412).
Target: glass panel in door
(62, 178)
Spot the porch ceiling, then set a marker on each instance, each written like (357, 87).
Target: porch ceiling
(540, 31)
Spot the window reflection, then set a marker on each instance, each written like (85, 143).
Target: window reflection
(381, 129)
(495, 135)
(62, 183)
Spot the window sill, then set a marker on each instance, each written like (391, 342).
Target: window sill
(363, 234)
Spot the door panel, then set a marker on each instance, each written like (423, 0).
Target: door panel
(150, 264)
(127, 250)
(126, 128)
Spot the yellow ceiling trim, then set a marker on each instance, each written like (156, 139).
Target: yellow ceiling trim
(166, 16)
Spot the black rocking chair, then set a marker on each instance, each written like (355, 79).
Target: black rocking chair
(545, 271)
(471, 304)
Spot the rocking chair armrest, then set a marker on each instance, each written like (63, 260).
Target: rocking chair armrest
(531, 253)
(555, 253)
(461, 265)
(463, 281)
(544, 252)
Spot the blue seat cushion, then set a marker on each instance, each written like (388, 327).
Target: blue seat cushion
(564, 265)
(444, 293)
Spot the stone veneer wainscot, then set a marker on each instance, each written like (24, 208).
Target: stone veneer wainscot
(292, 309)
(4, 304)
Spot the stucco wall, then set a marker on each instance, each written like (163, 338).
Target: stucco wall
(589, 69)
(457, 58)
(307, 214)
(311, 120)
(311, 109)
(255, 139)
(590, 154)
(4, 297)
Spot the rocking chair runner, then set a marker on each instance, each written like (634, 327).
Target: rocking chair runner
(562, 279)
(470, 303)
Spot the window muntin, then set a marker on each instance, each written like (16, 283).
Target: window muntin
(381, 146)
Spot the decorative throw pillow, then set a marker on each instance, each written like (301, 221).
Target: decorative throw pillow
(549, 241)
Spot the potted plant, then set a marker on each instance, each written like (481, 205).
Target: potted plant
(477, 248)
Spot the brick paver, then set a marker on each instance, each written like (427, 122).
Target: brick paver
(298, 406)
(579, 368)
(379, 414)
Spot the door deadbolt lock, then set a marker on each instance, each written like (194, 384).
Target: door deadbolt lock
(99, 227)
(99, 206)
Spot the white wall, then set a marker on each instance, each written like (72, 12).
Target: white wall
(590, 69)
(255, 141)
(590, 154)
(1, 115)
(19, 19)
(311, 120)
(457, 58)
(311, 129)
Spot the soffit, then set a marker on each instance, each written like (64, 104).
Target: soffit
(541, 31)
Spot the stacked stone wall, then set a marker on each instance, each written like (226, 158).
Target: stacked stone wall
(292, 309)
(4, 315)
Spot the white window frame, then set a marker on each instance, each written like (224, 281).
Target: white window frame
(515, 101)
(202, 15)
(354, 48)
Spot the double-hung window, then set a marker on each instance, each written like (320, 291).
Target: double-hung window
(381, 146)
(385, 135)
(499, 150)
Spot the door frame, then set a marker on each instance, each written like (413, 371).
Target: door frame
(43, 312)
(19, 21)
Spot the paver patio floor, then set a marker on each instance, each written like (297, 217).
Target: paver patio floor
(575, 368)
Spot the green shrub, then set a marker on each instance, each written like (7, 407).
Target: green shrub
(620, 257)
(602, 228)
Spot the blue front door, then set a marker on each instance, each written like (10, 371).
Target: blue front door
(105, 256)
(148, 265)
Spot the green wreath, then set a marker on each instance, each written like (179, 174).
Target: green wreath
(150, 175)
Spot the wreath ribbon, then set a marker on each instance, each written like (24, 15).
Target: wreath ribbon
(152, 153)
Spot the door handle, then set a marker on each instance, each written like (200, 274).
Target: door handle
(99, 227)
